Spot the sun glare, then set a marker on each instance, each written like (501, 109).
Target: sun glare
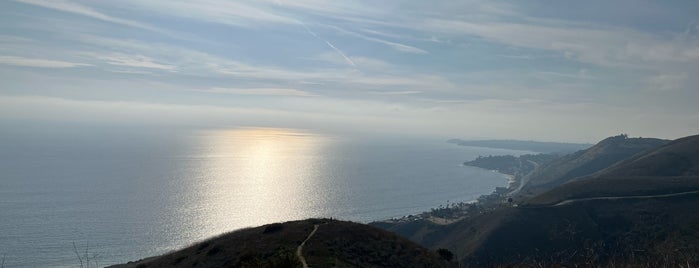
(274, 167)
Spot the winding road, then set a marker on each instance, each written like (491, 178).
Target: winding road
(524, 178)
(570, 201)
(300, 247)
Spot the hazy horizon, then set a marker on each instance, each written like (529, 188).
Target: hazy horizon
(547, 71)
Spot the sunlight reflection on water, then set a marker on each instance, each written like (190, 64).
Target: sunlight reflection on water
(253, 176)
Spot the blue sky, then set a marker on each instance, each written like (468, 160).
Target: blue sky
(544, 70)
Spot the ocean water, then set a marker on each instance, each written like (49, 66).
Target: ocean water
(122, 196)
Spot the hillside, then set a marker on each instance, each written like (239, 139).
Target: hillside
(604, 154)
(649, 232)
(671, 168)
(652, 231)
(334, 244)
(677, 158)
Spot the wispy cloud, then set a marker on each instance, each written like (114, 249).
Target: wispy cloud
(39, 63)
(138, 61)
(75, 8)
(342, 10)
(606, 46)
(404, 92)
(668, 82)
(260, 91)
(236, 13)
(582, 74)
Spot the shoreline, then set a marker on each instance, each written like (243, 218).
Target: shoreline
(459, 210)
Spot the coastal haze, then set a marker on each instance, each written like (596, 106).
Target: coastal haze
(127, 195)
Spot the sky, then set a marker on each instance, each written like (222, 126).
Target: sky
(536, 70)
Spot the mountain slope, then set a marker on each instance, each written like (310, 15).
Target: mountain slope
(604, 154)
(677, 158)
(671, 168)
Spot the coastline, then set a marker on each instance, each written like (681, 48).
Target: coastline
(453, 212)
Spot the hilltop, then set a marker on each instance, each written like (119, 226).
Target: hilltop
(333, 244)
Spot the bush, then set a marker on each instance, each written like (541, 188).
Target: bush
(445, 254)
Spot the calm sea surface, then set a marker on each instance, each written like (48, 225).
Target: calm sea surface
(125, 196)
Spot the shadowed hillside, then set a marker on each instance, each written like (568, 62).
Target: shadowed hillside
(651, 232)
(334, 244)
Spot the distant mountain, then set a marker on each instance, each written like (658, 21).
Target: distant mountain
(532, 146)
(604, 154)
(333, 244)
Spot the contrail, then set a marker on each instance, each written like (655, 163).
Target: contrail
(347, 59)
(341, 54)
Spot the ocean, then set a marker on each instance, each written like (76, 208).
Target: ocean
(119, 196)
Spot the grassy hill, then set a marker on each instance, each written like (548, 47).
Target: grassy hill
(335, 244)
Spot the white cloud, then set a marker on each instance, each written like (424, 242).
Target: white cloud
(39, 63)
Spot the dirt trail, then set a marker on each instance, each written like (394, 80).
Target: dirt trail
(300, 247)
